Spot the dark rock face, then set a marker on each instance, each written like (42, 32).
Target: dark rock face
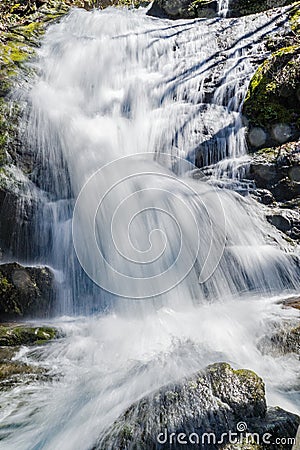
(183, 9)
(275, 172)
(16, 225)
(272, 103)
(239, 8)
(189, 9)
(25, 291)
(212, 401)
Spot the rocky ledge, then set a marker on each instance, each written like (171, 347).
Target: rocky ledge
(189, 9)
(214, 401)
(12, 336)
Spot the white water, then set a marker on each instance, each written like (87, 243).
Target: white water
(113, 84)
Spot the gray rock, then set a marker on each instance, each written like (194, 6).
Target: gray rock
(189, 9)
(212, 401)
(264, 196)
(183, 9)
(280, 222)
(284, 339)
(25, 291)
(286, 189)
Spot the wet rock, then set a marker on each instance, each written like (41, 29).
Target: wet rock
(264, 173)
(239, 8)
(280, 222)
(17, 210)
(187, 9)
(286, 189)
(271, 107)
(293, 302)
(277, 170)
(212, 401)
(283, 340)
(286, 220)
(11, 335)
(25, 291)
(183, 9)
(264, 196)
(14, 372)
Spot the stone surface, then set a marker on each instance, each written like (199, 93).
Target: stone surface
(285, 339)
(188, 9)
(15, 335)
(275, 172)
(25, 291)
(212, 401)
(183, 9)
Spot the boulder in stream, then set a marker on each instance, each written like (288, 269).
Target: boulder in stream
(201, 409)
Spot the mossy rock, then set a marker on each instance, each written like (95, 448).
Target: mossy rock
(25, 291)
(274, 91)
(214, 400)
(13, 372)
(188, 9)
(24, 335)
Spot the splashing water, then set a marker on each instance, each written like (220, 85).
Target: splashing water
(122, 106)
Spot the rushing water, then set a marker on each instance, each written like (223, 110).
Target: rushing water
(186, 272)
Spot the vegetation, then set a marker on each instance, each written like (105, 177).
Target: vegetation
(24, 335)
(272, 95)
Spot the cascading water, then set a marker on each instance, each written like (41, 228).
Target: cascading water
(120, 105)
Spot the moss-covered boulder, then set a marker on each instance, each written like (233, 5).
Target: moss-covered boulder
(16, 335)
(25, 291)
(212, 401)
(272, 105)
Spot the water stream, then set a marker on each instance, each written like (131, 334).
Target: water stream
(186, 271)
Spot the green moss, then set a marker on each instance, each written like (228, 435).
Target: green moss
(271, 96)
(14, 372)
(295, 18)
(23, 335)
(4, 284)
(269, 153)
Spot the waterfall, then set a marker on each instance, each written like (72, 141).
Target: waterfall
(118, 84)
(185, 270)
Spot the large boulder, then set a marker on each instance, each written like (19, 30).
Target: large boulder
(203, 406)
(25, 291)
(272, 103)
